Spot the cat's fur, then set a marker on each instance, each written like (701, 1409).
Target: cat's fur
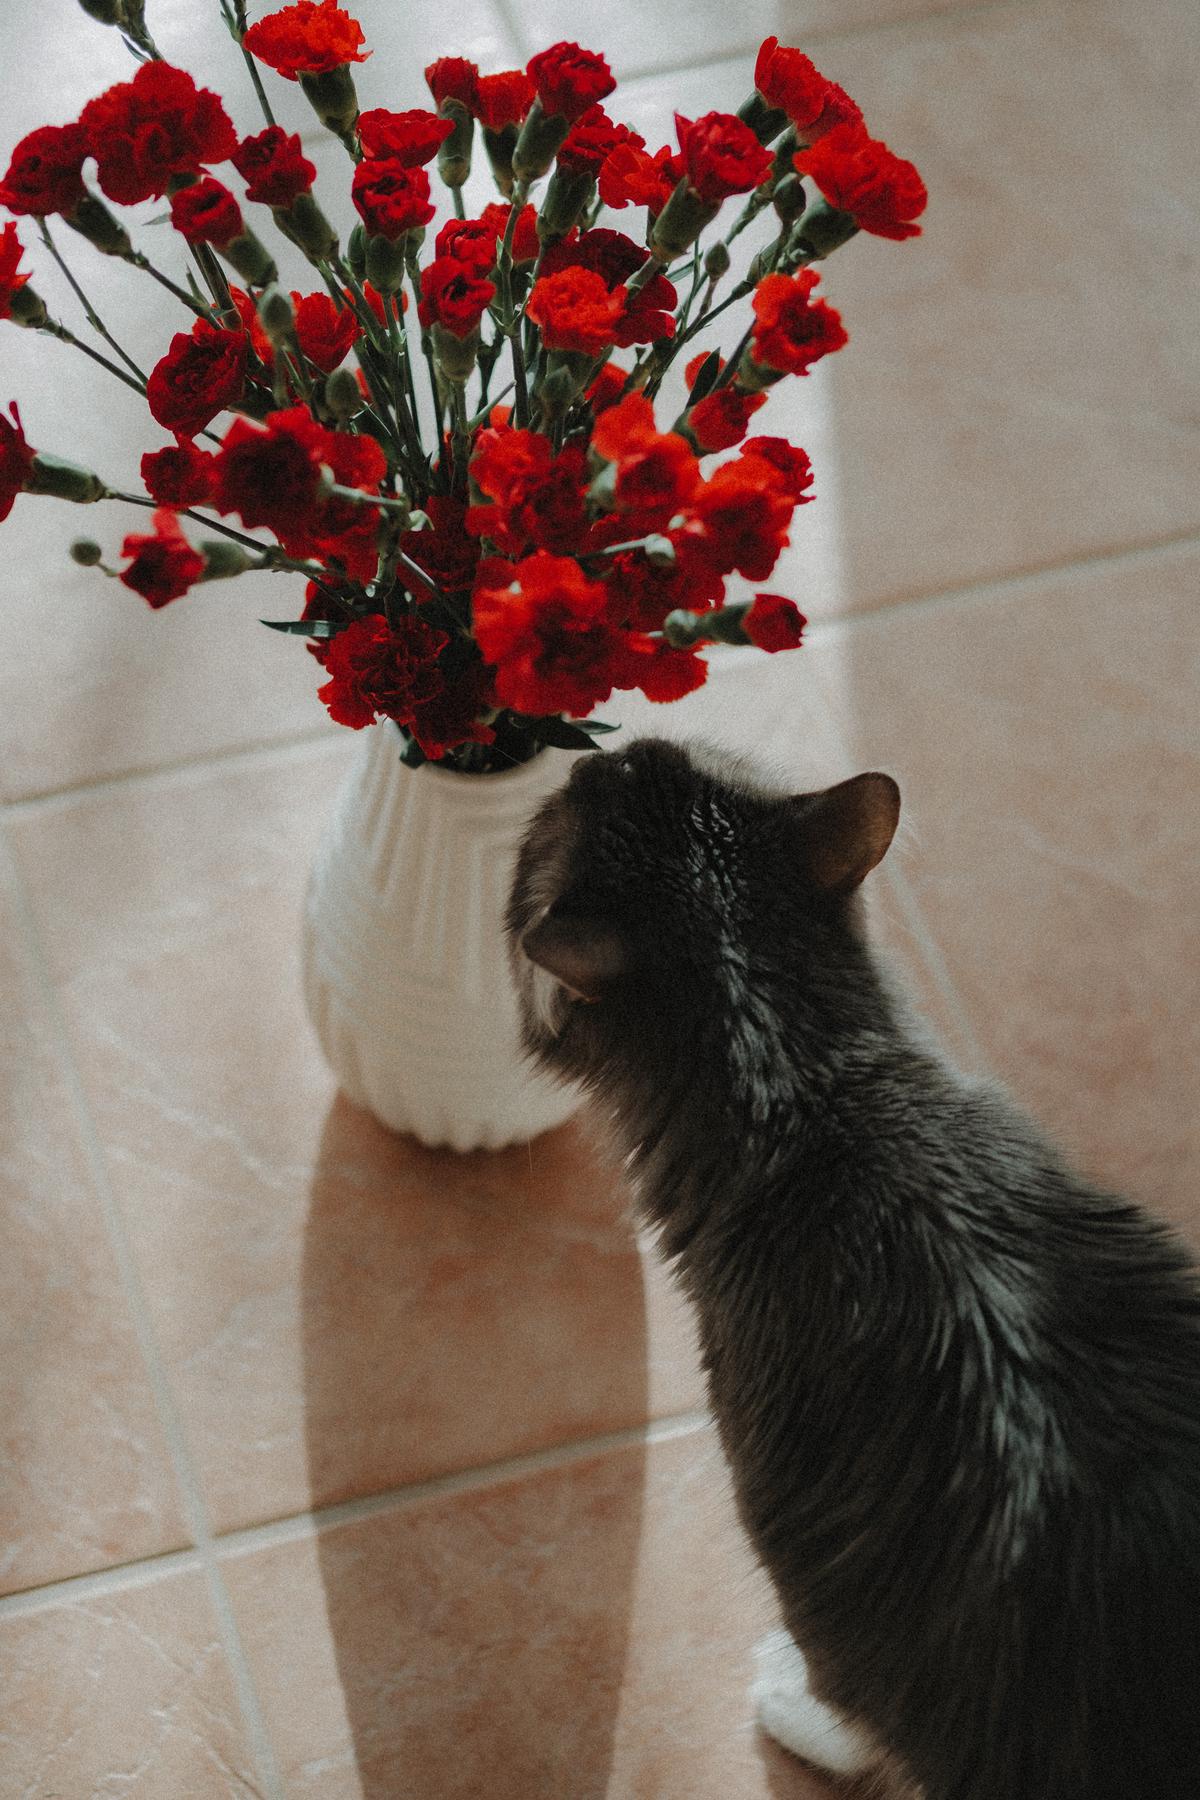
(958, 1387)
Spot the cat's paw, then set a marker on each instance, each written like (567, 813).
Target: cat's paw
(788, 1712)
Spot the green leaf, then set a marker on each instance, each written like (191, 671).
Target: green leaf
(313, 628)
(706, 376)
(562, 734)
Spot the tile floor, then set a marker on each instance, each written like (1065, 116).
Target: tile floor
(333, 1467)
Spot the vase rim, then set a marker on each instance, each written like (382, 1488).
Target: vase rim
(493, 777)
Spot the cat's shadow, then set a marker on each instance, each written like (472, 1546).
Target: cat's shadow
(458, 1312)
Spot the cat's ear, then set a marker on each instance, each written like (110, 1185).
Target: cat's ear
(585, 954)
(847, 829)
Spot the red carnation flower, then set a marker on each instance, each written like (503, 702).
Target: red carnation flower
(445, 549)
(657, 472)
(526, 245)
(452, 717)
(412, 137)
(454, 295)
(721, 156)
(160, 124)
(786, 79)
(607, 389)
(378, 670)
(11, 278)
(470, 241)
(650, 313)
(453, 78)
(738, 519)
(270, 475)
(859, 175)
(569, 80)
(640, 596)
(389, 198)
(164, 564)
(501, 100)
(45, 173)
(314, 37)
(593, 138)
(790, 466)
(325, 332)
(722, 418)
(206, 213)
(632, 177)
(662, 672)
(179, 475)
(794, 330)
(201, 374)
(774, 623)
(274, 167)
(576, 311)
(16, 459)
(543, 624)
(539, 497)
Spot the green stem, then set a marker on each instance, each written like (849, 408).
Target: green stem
(93, 317)
(54, 329)
(236, 20)
(140, 261)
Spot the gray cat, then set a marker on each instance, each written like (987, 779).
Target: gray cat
(958, 1387)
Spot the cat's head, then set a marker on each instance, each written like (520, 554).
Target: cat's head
(660, 891)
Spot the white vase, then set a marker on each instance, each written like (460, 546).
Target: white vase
(406, 975)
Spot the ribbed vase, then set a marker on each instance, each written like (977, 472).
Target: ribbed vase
(406, 976)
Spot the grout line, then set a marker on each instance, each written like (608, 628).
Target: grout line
(119, 1579)
(999, 587)
(123, 1577)
(226, 753)
(170, 1423)
(464, 1481)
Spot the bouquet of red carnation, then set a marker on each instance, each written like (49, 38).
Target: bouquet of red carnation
(494, 529)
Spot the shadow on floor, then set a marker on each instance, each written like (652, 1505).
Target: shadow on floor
(459, 1311)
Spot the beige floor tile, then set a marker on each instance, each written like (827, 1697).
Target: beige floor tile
(339, 1310)
(123, 1693)
(85, 1480)
(584, 1631)
(1045, 740)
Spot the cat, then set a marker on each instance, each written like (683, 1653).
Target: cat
(957, 1387)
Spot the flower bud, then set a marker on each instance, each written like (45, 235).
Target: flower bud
(538, 143)
(343, 396)
(333, 99)
(276, 316)
(86, 552)
(659, 551)
(250, 259)
(222, 557)
(500, 146)
(685, 629)
(107, 12)
(821, 231)
(385, 263)
(356, 252)
(26, 307)
(716, 261)
(680, 222)
(92, 220)
(789, 198)
(764, 121)
(567, 197)
(64, 480)
(454, 156)
(454, 356)
(307, 227)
